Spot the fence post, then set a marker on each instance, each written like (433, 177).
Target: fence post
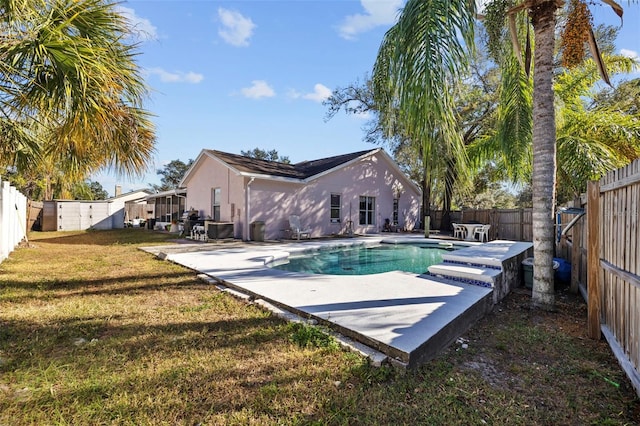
(593, 258)
(521, 229)
(576, 252)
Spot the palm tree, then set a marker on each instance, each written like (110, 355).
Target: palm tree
(413, 84)
(71, 91)
(421, 42)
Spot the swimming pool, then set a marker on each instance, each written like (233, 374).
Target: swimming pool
(363, 260)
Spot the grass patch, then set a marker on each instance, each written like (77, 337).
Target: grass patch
(95, 331)
(305, 335)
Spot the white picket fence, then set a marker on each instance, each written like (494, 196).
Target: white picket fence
(13, 219)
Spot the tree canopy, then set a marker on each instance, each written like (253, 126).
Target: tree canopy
(172, 173)
(71, 93)
(262, 154)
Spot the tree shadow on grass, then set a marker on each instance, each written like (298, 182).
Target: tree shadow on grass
(31, 343)
(126, 236)
(55, 288)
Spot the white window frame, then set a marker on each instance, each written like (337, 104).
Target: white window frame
(216, 195)
(367, 216)
(333, 208)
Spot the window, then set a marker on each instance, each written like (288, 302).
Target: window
(395, 211)
(215, 204)
(367, 210)
(335, 208)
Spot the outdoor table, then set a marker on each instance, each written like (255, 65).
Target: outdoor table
(470, 227)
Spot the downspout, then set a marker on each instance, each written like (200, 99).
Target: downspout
(248, 209)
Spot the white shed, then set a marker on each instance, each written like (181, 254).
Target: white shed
(75, 215)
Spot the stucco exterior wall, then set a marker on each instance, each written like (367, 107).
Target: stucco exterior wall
(209, 174)
(273, 202)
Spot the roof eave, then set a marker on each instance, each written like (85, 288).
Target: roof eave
(204, 153)
(271, 177)
(177, 192)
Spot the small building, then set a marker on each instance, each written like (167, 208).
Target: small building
(76, 215)
(351, 193)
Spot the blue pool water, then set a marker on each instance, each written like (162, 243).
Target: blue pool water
(367, 260)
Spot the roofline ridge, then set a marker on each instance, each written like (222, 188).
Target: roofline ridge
(214, 151)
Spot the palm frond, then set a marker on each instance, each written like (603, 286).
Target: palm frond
(68, 67)
(515, 126)
(430, 43)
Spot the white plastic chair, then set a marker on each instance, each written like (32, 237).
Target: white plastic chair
(198, 233)
(482, 233)
(296, 228)
(459, 231)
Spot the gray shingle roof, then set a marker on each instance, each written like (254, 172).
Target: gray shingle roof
(302, 170)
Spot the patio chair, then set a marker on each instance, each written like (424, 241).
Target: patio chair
(198, 232)
(459, 231)
(296, 228)
(482, 233)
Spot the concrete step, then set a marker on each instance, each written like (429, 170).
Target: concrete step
(492, 254)
(482, 276)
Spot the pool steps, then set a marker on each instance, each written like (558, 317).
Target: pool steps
(482, 266)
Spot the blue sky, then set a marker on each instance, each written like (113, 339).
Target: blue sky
(236, 75)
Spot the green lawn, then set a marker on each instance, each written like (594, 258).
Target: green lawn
(95, 331)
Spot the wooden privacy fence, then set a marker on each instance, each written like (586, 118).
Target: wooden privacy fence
(605, 262)
(13, 222)
(613, 265)
(506, 224)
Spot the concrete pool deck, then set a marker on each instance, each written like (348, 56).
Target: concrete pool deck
(407, 317)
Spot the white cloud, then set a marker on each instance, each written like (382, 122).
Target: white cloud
(376, 13)
(236, 29)
(259, 89)
(141, 28)
(193, 77)
(293, 94)
(176, 77)
(319, 94)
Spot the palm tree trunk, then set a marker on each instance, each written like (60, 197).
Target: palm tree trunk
(544, 154)
(426, 203)
(449, 182)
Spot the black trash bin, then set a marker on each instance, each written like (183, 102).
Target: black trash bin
(151, 224)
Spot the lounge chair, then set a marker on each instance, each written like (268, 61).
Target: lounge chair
(296, 228)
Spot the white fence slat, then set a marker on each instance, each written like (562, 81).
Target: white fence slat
(13, 219)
